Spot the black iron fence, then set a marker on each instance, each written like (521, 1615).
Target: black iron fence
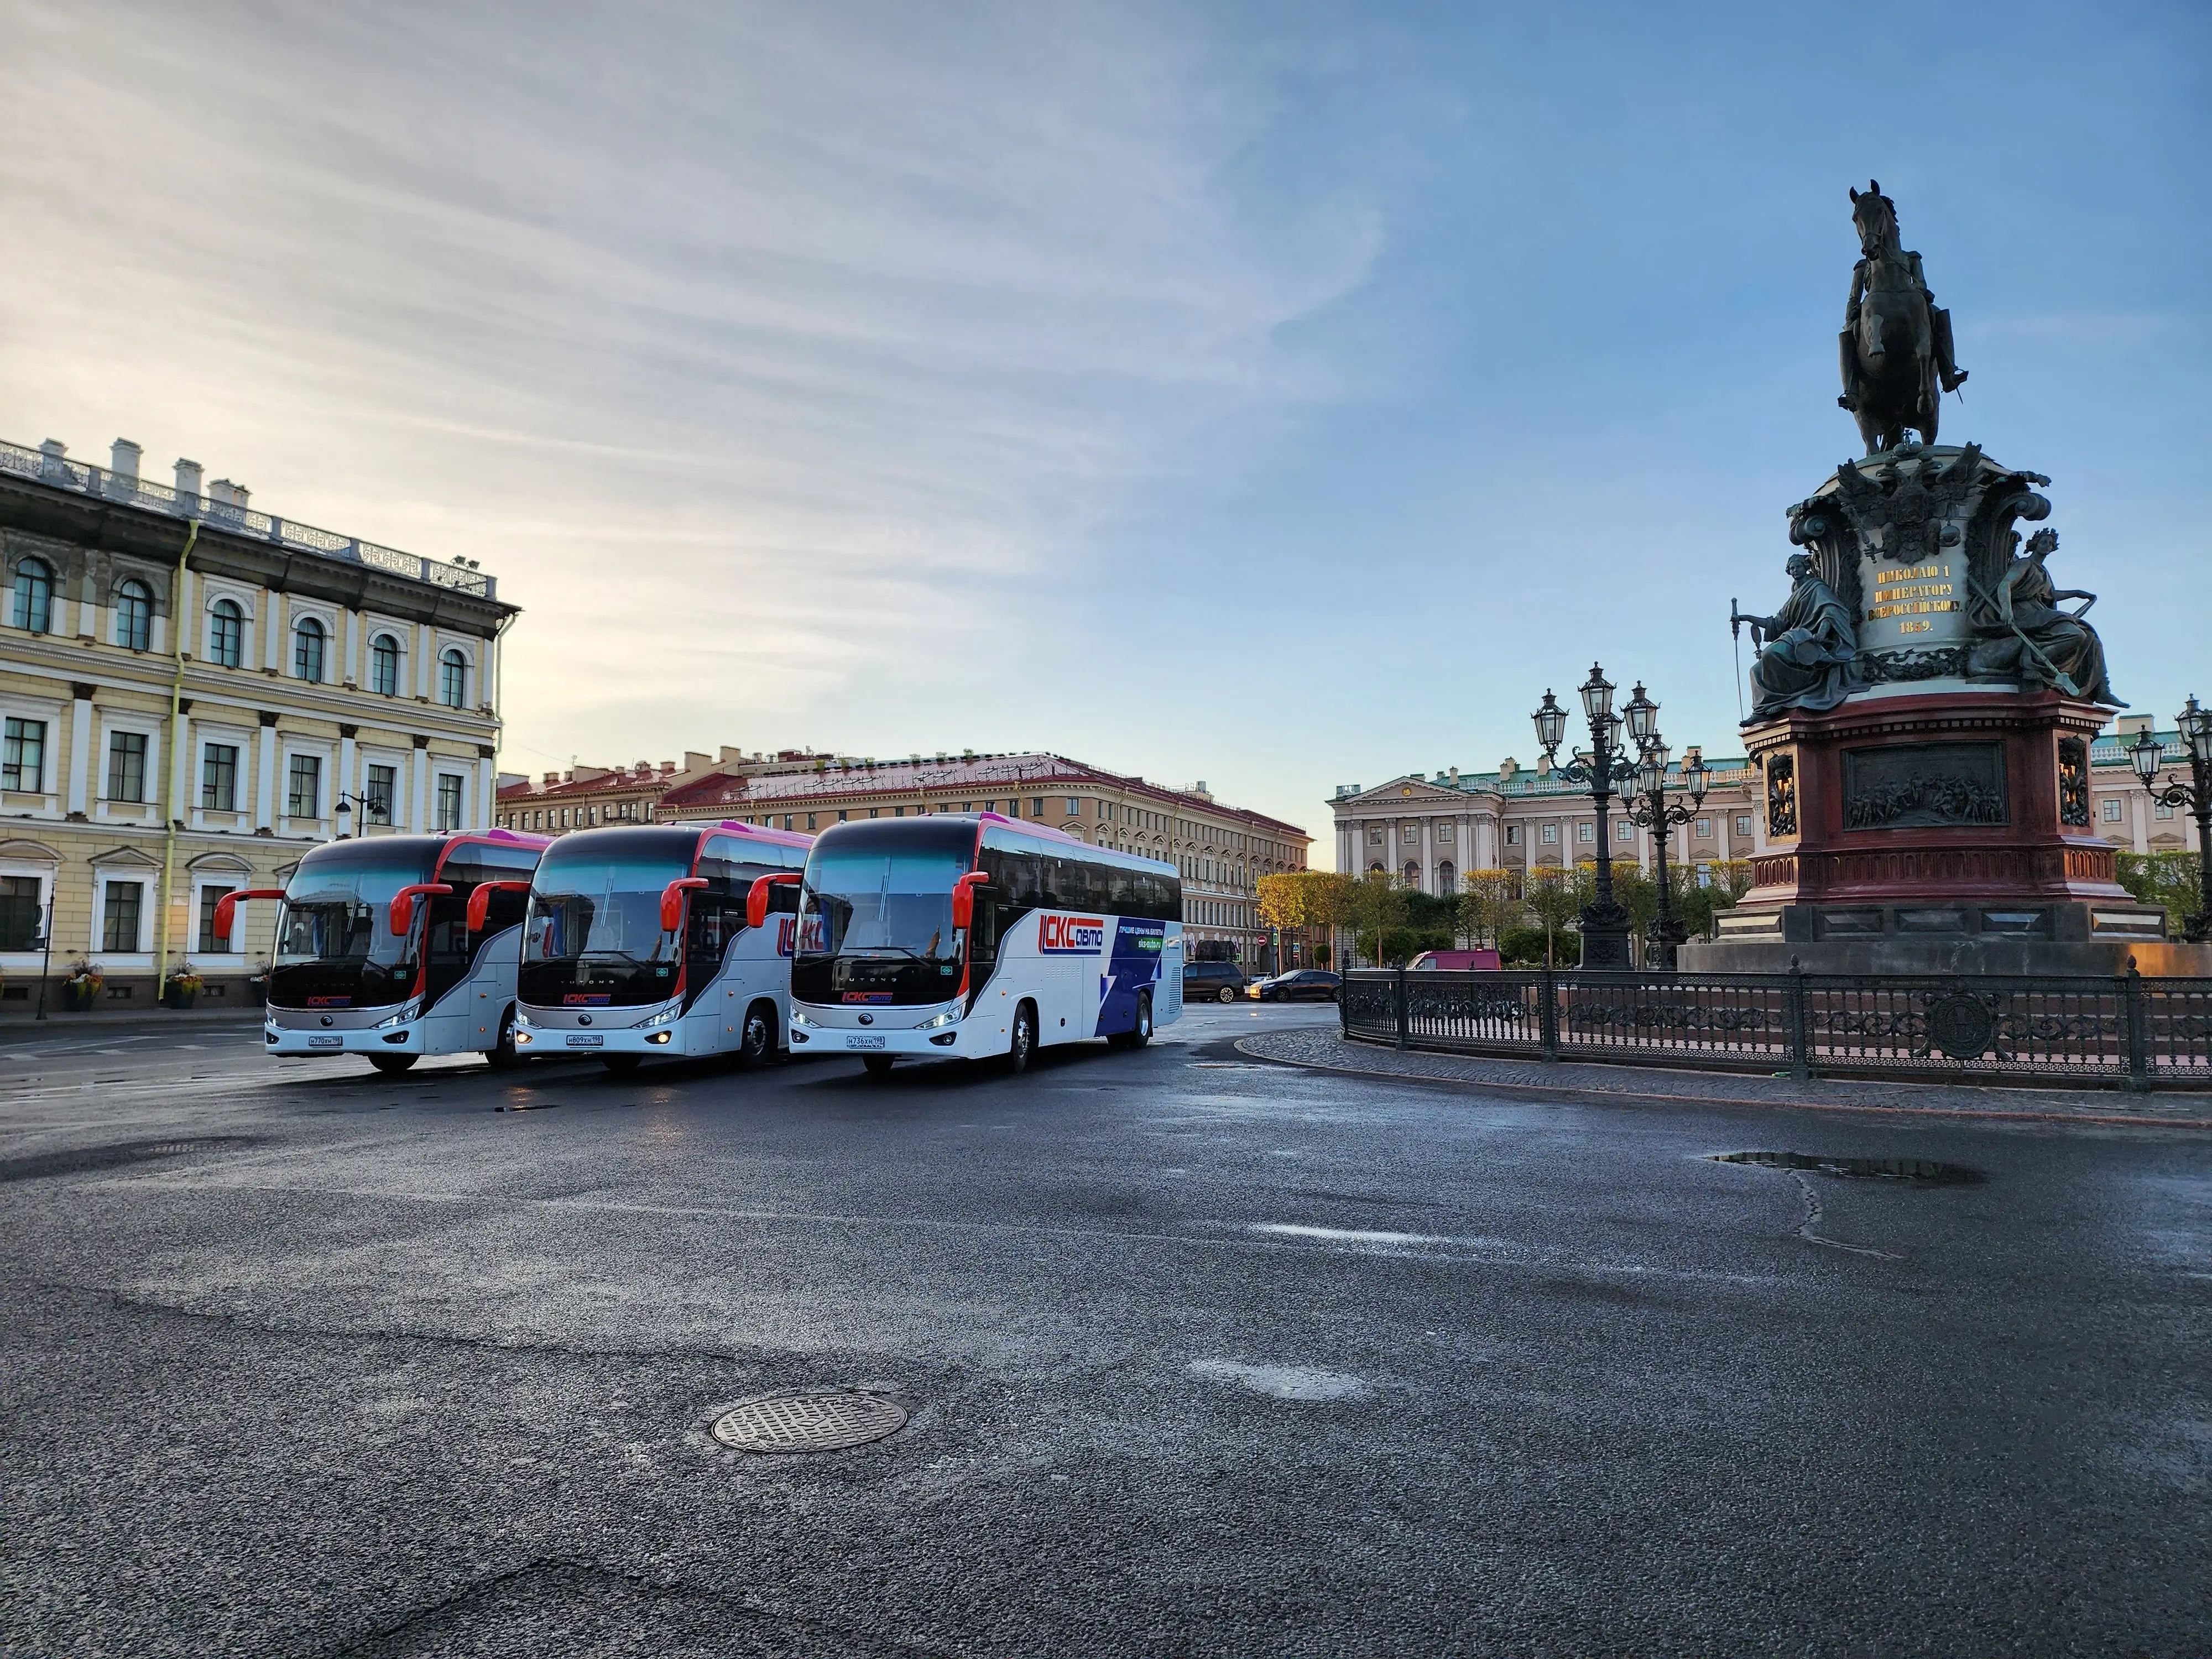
(2130, 1031)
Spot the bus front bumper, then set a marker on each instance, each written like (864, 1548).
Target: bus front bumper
(405, 1039)
(976, 1036)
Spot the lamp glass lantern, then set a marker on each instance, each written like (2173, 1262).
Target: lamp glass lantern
(1699, 779)
(1651, 774)
(2196, 729)
(1642, 717)
(2146, 752)
(1597, 696)
(1551, 723)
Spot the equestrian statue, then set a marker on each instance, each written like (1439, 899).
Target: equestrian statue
(1896, 343)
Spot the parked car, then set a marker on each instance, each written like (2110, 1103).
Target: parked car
(1305, 985)
(1212, 981)
(1458, 961)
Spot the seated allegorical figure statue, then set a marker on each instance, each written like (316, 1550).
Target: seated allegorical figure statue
(2026, 636)
(1808, 650)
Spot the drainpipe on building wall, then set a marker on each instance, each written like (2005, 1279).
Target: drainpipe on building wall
(169, 754)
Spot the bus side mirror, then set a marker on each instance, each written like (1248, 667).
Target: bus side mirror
(480, 900)
(756, 896)
(226, 908)
(672, 901)
(402, 903)
(963, 898)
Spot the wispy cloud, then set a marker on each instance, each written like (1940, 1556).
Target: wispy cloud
(740, 342)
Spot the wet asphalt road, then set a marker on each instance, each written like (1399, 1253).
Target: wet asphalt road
(1203, 1356)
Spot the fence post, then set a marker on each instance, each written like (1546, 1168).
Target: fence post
(1547, 1015)
(1801, 1058)
(2138, 1029)
(1403, 1035)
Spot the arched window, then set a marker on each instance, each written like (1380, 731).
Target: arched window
(226, 635)
(384, 666)
(1376, 869)
(1447, 879)
(307, 650)
(134, 617)
(34, 596)
(1412, 873)
(453, 680)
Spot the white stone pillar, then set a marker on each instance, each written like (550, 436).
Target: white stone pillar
(265, 783)
(181, 771)
(487, 793)
(2138, 813)
(272, 632)
(80, 778)
(419, 819)
(351, 674)
(349, 783)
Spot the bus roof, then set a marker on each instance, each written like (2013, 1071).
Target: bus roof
(1005, 825)
(780, 837)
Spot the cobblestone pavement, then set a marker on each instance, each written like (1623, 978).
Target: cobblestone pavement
(1321, 1046)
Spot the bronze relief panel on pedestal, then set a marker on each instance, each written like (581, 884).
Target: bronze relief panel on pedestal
(1925, 786)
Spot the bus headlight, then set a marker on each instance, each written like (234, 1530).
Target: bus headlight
(522, 1016)
(798, 1019)
(663, 1016)
(950, 1017)
(406, 1012)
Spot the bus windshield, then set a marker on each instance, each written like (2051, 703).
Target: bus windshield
(594, 933)
(335, 946)
(879, 905)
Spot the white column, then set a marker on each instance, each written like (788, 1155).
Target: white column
(351, 672)
(272, 632)
(423, 639)
(181, 771)
(2138, 810)
(486, 782)
(1428, 854)
(349, 783)
(419, 819)
(80, 777)
(265, 784)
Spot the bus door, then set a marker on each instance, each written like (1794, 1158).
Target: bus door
(470, 978)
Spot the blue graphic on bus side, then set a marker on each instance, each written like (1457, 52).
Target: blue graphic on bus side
(1134, 968)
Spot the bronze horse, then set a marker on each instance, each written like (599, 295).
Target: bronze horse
(1896, 343)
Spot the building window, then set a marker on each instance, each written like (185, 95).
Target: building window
(449, 802)
(1444, 833)
(226, 635)
(1447, 878)
(376, 794)
(2113, 809)
(219, 777)
(303, 787)
(453, 680)
(211, 941)
(1375, 834)
(1586, 832)
(118, 927)
(1037, 806)
(2164, 809)
(384, 666)
(1704, 829)
(127, 766)
(307, 641)
(34, 597)
(898, 811)
(1743, 825)
(1412, 873)
(21, 908)
(1512, 834)
(1624, 830)
(809, 820)
(1409, 834)
(1551, 835)
(134, 617)
(843, 816)
(23, 759)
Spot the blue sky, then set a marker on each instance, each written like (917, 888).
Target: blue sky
(1281, 396)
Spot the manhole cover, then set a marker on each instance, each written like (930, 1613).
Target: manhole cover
(829, 1420)
(1924, 1171)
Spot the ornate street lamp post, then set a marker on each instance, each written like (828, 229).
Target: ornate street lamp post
(1605, 919)
(2197, 794)
(1653, 813)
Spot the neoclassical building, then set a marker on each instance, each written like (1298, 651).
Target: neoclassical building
(1430, 831)
(193, 692)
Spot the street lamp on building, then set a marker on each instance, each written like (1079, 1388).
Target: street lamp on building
(2148, 756)
(1605, 919)
(1652, 811)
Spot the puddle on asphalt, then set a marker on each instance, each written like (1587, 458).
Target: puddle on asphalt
(118, 1155)
(1918, 1171)
(1299, 1382)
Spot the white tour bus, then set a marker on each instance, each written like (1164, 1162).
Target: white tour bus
(364, 966)
(638, 944)
(968, 935)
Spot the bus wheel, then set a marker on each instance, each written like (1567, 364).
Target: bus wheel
(1018, 1052)
(501, 1055)
(621, 1062)
(1142, 1032)
(756, 1041)
(392, 1064)
(877, 1064)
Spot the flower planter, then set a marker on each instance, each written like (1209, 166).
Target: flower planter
(174, 997)
(79, 999)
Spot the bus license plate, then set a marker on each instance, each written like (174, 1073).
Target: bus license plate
(326, 1042)
(585, 1040)
(864, 1042)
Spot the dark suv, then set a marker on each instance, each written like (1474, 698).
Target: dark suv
(1212, 981)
